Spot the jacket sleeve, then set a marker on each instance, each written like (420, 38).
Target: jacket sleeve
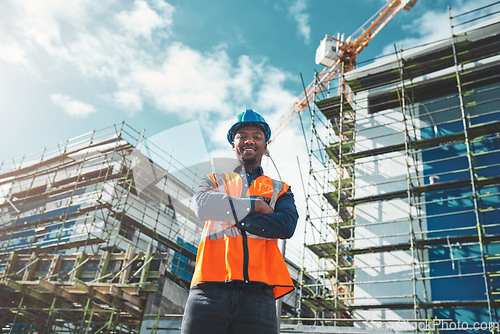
(210, 204)
(278, 225)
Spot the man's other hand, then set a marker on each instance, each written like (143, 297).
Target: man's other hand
(262, 207)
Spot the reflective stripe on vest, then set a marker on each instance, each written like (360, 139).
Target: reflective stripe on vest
(221, 250)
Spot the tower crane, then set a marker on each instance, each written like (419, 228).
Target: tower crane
(334, 52)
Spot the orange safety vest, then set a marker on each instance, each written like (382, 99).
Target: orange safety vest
(227, 253)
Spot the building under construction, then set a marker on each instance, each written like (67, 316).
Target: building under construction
(94, 236)
(404, 190)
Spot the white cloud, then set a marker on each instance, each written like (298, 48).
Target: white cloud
(13, 54)
(72, 106)
(87, 36)
(128, 100)
(431, 26)
(49, 24)
(128, 48)
(144, 20)
(435, 25)
(209, 85)
(187, 81)
(272, 96)
(298, 11)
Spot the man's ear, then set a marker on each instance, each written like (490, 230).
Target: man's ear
(232, 145)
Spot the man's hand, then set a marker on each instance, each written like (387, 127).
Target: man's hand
(212, 190)
(262, 207)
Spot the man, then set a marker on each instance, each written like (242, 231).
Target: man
(239, 269)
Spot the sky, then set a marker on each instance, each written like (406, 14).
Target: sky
(69, 67)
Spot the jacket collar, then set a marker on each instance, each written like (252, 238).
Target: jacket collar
(258, 170)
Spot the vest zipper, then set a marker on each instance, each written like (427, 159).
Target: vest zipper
(245, 256)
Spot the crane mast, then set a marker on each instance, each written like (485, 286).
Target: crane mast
(345, 53)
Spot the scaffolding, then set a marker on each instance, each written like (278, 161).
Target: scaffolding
(403, 205)
(92, 231)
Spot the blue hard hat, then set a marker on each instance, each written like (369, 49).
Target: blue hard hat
(249, 117)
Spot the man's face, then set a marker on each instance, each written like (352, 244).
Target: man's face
(249, 145)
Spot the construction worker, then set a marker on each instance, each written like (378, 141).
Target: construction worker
(239, 269)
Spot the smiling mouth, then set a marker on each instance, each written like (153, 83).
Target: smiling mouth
(249, 149)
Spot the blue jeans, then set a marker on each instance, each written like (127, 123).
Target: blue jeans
(230, 308)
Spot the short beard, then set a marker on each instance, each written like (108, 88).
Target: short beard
(249, 160)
